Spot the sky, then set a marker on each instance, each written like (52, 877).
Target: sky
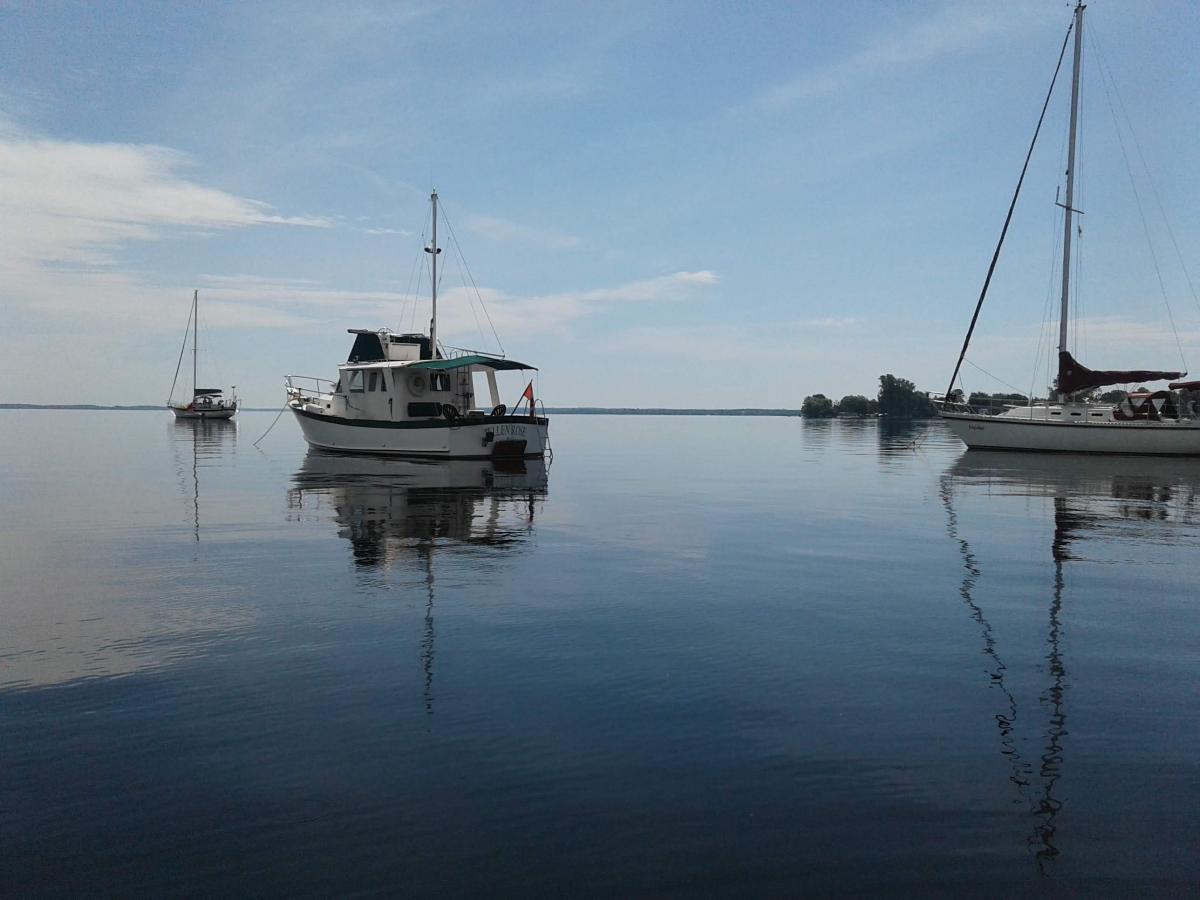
(675, 204)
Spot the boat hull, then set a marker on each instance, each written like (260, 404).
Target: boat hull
(487, 438)
(1132, 438)
(181, 413)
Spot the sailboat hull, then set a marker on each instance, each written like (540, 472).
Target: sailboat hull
(1163, 438)
(486, 438)
(185, 413)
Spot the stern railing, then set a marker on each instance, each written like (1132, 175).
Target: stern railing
(309, 389)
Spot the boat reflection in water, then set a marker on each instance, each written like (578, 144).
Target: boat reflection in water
(209, 442)
(394, 509)
(401, 515)
(1126, 502)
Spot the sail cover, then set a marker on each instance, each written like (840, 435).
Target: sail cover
(1074, 376)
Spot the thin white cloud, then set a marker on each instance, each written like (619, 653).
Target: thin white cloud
(951, 29)
(503, 230)
(460, 316)
(68, 209)
(397, 231)
(73, 202)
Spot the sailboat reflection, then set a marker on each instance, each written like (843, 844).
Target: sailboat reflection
(1093, 498)
(209, 441)
(400, 514)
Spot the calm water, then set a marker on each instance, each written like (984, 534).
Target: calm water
(692, 656)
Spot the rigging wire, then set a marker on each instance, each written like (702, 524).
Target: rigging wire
(1012, 206)
(1079, 321)
(1146, 168)
(182, 350)
(1162, 286)
(414, 284)
(1044, 332)
(990, 375)
(482, 305)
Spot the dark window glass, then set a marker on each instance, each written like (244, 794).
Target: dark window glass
(424, 410)
(367, 348)
(354, 381)
(372, 381)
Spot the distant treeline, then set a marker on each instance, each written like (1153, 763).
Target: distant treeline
(71, 406)
(96, 406)
(898, 398)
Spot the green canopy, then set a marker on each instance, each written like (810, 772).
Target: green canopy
(461, 362)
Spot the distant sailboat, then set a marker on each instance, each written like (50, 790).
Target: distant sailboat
(1159, 423)
(206, 403)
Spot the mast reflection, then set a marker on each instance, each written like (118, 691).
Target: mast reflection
(400, 515)
(1093, 498)
(209, 440)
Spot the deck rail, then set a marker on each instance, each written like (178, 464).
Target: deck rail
(309, 389)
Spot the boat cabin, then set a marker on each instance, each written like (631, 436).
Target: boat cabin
(398, 377)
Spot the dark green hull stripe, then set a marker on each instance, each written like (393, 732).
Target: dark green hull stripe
(420, 423)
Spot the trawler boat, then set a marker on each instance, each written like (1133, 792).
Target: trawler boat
(407, 395)
(1162, 422)
(206, 402)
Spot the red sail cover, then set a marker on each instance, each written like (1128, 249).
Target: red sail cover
(1073, 376)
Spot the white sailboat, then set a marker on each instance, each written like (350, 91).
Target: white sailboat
(206, 402)
(1162, 422)
(407, 395)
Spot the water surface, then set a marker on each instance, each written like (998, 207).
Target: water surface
(693, 655)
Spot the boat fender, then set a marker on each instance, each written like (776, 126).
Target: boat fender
(416, 384)
(499, 409)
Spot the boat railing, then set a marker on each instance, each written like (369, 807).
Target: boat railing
(449, 352)
(309, 389)
(977, 406)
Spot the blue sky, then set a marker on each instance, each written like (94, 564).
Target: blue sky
(662, 204)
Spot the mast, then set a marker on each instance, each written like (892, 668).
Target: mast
(433, 251)
(1068, 207)
(195, 335)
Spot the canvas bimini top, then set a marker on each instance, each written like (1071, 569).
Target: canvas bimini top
(472, 359)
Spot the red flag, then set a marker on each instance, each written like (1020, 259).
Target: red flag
(528, 395)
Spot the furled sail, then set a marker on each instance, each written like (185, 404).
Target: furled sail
(1073, 376)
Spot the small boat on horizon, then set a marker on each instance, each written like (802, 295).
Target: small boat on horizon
(1160, 422)
(206, 402)
(408, 395)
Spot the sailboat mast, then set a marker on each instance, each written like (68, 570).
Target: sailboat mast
(1068, 207)
(433, 251)
(195, 335)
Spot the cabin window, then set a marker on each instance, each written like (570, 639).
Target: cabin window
(1097, 415)
(439, 381)
(1056, 414)
(367, 348)
(424, 410)
(354, 380)
(372, 381)
(383, 381)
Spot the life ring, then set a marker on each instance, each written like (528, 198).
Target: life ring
(499, 409)
(417, 384)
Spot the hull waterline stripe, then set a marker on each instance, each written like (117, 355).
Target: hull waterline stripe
(420, 423)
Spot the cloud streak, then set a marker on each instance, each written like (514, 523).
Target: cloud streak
(503, 230)
(953, 28)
